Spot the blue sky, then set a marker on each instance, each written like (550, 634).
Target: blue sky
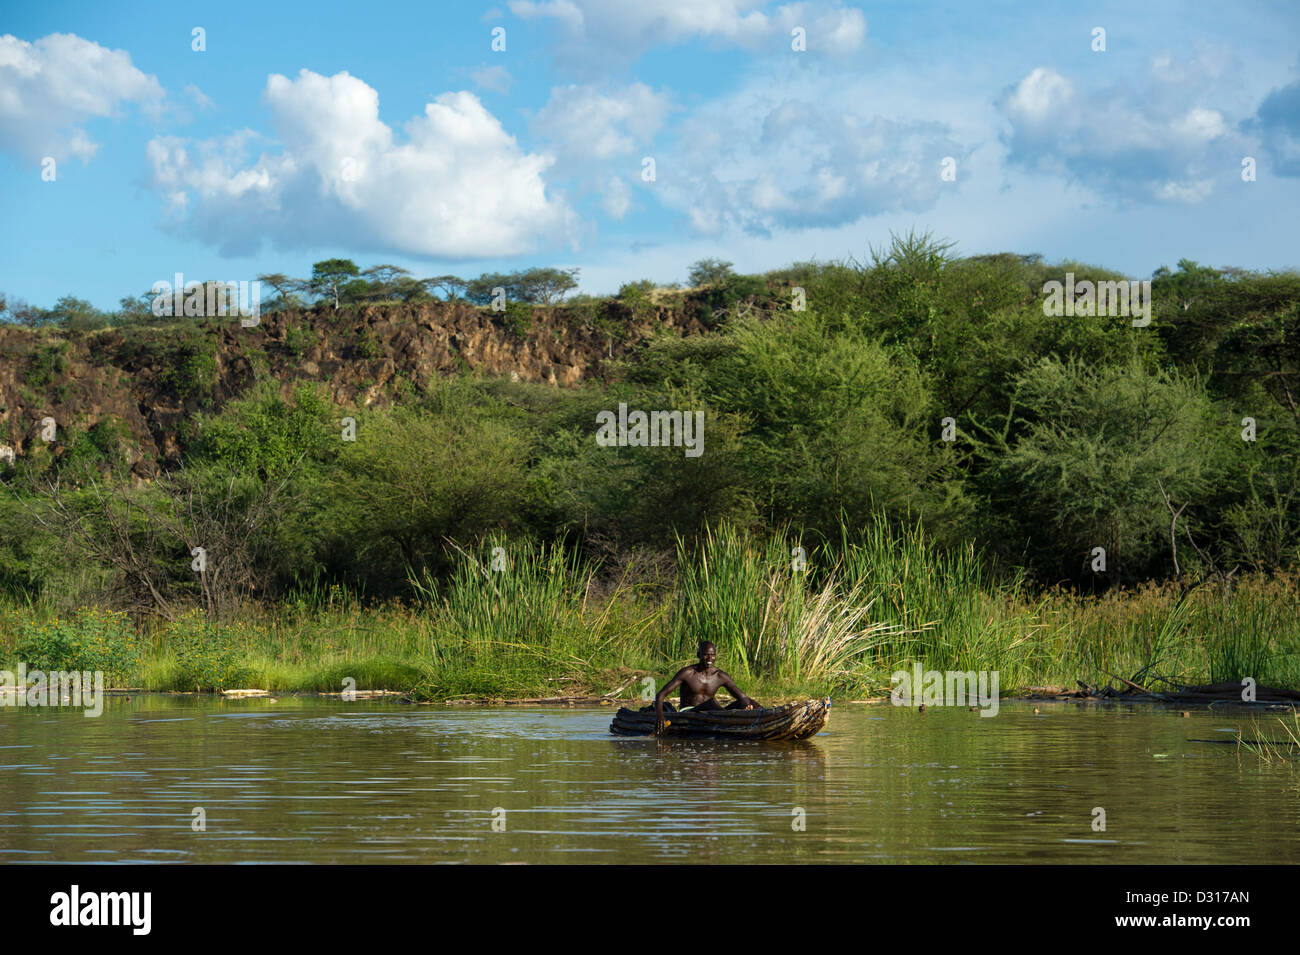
(394, 133)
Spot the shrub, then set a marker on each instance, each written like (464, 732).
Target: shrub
(206, 655)
(518, 317)
(91, 640)
(299, 340)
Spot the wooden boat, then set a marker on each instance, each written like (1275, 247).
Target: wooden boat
(791, 721)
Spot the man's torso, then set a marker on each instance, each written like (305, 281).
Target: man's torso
(699, 687)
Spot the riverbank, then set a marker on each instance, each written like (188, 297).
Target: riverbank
(551, 628)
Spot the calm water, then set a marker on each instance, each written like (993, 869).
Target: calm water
(316, 781)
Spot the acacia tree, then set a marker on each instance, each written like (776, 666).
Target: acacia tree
(452, 287)
(708, 272)
(286, 288)
(329, 277)
(385, 280)
(540, 286)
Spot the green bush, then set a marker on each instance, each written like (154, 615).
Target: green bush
(91, 640)
(46, 362)
(206, 656)
(298, 340)
(518, 317)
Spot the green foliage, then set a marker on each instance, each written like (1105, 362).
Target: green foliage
(832, 423)
(518, 317)
(708, 272)
(1089, 456)
(415, 477)
(538, 286)
(185, 356)
(720, 297)
(45, 362)
(92, 639)
(299, 339)
(205, 656)
(636, 296)
(330, 276)
(267, 434)
(366, 346)
(509, 596)
(102, 448)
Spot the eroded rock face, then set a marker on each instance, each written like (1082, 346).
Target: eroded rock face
(154, 380)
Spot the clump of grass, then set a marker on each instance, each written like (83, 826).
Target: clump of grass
(521, 597)
(1274, 751)
(774, 617)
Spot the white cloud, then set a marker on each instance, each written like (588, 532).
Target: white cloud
(1039, 97)
(616, 198)
(497, 79)
(586, 123)
(49, 89)
(599, 135)
(1153, 138)
(456, 185)
(743, 163)
(201, 99)
(610, 30)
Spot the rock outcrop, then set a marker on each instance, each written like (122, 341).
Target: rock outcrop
(153, 380)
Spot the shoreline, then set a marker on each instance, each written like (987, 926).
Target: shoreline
(1267, 698)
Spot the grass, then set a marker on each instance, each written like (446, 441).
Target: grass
(1275, 750)
(530, 620)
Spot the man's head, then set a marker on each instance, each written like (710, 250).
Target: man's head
(708, 652)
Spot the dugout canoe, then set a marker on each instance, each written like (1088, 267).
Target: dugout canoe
(791, 721)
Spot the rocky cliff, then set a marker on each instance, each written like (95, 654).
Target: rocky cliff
(150, 380)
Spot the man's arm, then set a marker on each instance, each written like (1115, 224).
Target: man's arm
(729, 685)
(659, 700)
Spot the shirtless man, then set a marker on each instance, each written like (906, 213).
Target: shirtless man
(699, 682)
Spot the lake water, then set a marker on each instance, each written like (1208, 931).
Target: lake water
(307, 780)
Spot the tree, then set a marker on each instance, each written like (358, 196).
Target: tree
(356, 292)
(546, 286)
(1086, 458)
(286, 288)
(135, 308)
(708, 272)
(77, 314)
(408, 289)
(384, 280)
(540, 286)
(329, 277)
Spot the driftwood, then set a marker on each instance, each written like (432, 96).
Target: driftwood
(1228, 692)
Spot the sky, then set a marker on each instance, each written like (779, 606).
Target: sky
(630, 139)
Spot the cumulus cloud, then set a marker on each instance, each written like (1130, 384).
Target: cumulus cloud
(455, 185)
(615, 30)
(1277, 123)
(51, 88)
(586, 122)
(1157, 139)
(799, 164)
(599, 135)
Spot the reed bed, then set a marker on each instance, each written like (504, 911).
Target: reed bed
(788, 618)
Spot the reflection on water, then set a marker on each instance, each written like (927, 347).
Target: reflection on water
(323, 781)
